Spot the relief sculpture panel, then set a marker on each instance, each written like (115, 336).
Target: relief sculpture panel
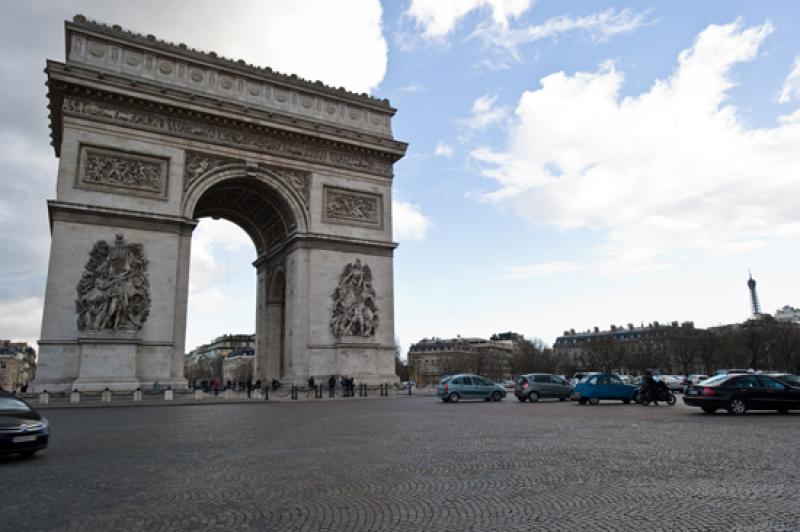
(352, 207)
(122, 172)
(354, 310)
(114, 291)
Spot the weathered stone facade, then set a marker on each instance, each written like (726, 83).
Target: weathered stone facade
(151, 138)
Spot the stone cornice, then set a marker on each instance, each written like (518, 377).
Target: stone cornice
(69, 97)
(59, 73)
(112, 49)
(105, 216)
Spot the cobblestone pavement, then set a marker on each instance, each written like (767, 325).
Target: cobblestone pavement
(407, 464)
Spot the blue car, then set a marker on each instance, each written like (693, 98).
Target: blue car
(603, 386)
(467, 386)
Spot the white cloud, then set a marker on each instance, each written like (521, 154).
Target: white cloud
(600, 26)
(537, 270)
(673, 169)
(485, 113)
(444, 150)
(791, 85)
(21, 319)
(413, 88)
(439, 17)
(408, 221)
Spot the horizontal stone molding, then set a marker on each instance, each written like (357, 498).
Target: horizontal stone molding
(330, 243)
(122, 172)
(112, 49)
(241, 136)
(109, 217)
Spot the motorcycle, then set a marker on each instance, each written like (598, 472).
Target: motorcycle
(644, 396)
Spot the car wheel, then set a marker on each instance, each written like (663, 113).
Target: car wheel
(594, 401)
(708, 409)
(522, 399)
(496, 396)
(454, 397)
(582, 401)
(736, 406)
(626, 401)
(671, 400)
(533, 397)
(783, 410)
(562, 398)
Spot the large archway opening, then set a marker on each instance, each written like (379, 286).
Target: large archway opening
(236, 267)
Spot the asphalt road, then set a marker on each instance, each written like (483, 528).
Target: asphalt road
(407, 464)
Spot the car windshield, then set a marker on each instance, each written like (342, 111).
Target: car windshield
(13, 404)
(717, 379)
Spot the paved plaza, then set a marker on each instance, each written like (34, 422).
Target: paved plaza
(407, 463)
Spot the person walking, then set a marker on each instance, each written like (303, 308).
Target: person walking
(311, 386)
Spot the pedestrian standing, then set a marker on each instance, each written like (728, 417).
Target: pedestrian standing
(311, 386)
(332, 385)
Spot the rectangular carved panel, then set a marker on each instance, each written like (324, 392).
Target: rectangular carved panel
(122, 172)
(353, 207)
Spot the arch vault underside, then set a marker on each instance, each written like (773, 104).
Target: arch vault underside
(153, 136)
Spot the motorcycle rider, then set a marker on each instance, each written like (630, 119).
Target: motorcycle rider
(651, 386)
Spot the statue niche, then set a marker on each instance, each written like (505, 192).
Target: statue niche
(354, 310)
(114, 292)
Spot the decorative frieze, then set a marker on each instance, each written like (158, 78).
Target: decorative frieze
(122, 172)
(352, 207)
(264, 141)
(114, 292)
(354, 310)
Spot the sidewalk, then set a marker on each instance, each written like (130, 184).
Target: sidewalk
(119, 400)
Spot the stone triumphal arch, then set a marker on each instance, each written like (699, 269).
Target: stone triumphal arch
(153, 136)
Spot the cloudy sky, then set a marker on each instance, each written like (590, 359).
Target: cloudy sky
(571, 164)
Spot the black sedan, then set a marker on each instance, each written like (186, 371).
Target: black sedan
(740, 393)
(22, 429)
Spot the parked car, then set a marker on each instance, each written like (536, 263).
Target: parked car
(508, 385)
(533, 386)
(673, 382)
(468, 386)
(739, 393)
(581, 375)
(603, 386)
(22, 430)
(789, 378)
(694, 379)
(730, 371)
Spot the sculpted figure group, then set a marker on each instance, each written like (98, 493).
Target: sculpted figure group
(354, 310)
(114, 292)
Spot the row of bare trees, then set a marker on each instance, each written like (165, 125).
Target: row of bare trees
(764, 344)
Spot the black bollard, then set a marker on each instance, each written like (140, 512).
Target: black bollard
(266, 393)
(409, 387)
(366, 393)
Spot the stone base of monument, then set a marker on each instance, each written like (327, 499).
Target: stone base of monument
(108, 360)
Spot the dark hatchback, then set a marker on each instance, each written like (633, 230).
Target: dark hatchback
(739, 393)
(22, 430)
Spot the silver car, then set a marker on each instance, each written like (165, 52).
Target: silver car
(533, 386)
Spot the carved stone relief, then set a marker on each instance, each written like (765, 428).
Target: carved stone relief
(122, 172)
(352, 207)
(264, 141)
(198, 164)
(354, 310)
(114, 292)
(298, 180)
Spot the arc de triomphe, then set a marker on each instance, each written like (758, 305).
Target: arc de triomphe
(153, 136)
